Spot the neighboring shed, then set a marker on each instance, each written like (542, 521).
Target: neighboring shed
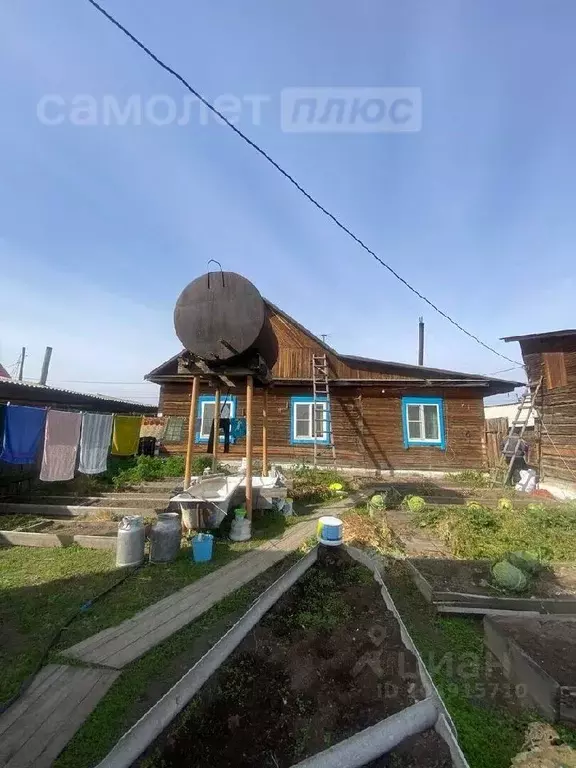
(552, 357)
(3, 372)
(384, 415)
(26, 393)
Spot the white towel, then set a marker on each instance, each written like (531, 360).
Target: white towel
(60, 445)
(95, 442)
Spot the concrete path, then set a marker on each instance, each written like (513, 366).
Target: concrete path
(120, 645)
(37, 727)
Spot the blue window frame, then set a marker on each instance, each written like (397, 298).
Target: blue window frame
(303, 423)
(423, 422)
(205, 415)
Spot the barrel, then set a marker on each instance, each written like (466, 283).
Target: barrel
(329, 531)
(165, 538)
(130, 541)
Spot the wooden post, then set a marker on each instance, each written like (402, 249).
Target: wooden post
(265, 433)
(249, 396)
(216, 443)
(191, 430)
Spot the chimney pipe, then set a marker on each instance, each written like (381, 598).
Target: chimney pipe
(421, 341)
(45, 365)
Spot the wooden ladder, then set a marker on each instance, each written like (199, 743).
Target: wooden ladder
(321, 388)
(503, 470)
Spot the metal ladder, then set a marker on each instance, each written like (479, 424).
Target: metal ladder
(502, 469)
(321, 388)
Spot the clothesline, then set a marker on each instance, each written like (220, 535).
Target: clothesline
(65, 436)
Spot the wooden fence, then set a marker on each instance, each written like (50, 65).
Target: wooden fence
(496, 431)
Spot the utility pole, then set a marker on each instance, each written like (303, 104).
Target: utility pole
(421, 341)
(21, 369)
(45, 365)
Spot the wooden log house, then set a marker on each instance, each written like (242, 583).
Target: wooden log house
(552, 358)
(384, 415)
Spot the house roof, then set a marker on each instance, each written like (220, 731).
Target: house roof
(25, 391)
(433, 375)
(3, 372)
(547, 335)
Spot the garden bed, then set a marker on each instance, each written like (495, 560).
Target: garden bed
(326, 662)
(540, 655)
(465, 584)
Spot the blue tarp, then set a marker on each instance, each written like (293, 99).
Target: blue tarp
(23, 432)
(237, 428)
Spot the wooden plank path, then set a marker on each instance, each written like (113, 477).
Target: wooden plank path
(37, 727)
(117, 646)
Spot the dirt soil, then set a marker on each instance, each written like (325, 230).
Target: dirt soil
(84, 528)
(550, 642)
(324, 663)
(473, 576)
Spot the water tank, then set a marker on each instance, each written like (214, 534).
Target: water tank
(219, 315)
(165, 538)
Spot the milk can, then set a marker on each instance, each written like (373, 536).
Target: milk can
(165, 538)
(130, 541)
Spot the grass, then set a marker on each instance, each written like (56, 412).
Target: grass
(470, 478)
(145, 680)
(18, 522)
(41, 588)
(475, 532)
(312, 485)
(453, 650)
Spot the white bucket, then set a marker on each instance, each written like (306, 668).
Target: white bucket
(240, 530)
(329, 531)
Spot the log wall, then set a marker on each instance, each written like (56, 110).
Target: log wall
(366, 425)
(554, 359)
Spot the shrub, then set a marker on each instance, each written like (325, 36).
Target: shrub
(312, 485)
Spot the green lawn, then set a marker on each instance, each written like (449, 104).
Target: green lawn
(41, 588)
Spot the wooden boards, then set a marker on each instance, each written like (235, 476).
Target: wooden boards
(118, 646)
(37, 727)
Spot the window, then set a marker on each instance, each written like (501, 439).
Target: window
(423, 421)
(309, 424)
(205, 415)
(175, 429)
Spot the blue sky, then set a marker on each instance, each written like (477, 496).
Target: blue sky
(101, 226)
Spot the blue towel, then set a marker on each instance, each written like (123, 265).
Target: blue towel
(237, 428)
(23, 431)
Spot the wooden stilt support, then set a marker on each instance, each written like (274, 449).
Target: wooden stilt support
(216, 443)
(265, 434)
(191, 430)
(249, 397)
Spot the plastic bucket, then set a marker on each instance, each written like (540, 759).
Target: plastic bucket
(202, 545)
(329, 531)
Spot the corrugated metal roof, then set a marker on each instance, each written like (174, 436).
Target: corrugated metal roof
(46, 390)
(547, 335)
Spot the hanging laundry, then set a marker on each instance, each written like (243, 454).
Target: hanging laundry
(126, 435)
(237, 428)
(95, 442)
(61, 438)
(23, 429)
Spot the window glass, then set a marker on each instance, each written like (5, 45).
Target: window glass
(302, 420)
(207, 419)
(431, 427)
(414, 430)
(320, 420)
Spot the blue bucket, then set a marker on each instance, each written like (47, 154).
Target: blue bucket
(330, 531)
(202, 545)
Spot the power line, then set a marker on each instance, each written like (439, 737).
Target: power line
(291, 179)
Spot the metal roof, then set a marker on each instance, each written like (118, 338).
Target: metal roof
(548, 335)
(44, 392)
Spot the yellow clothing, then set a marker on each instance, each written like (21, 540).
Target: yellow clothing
(126, 435)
